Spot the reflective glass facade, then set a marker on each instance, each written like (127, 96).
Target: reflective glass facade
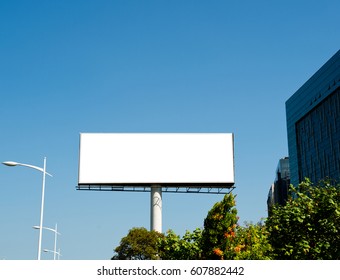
(313, 125)
(278, 192)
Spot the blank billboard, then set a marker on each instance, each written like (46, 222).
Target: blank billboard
(156, 158)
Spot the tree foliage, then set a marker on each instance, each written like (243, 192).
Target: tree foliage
(308, 226)
(139, 244)
(173, 247)
(251, 243)
(218, 225)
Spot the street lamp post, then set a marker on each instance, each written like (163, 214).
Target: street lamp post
(43, 170)
(55, 239)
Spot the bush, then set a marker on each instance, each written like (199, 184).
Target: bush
(308, 226)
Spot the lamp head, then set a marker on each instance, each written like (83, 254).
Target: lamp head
(10, 163)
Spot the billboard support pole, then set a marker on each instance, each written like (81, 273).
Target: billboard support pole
(156, 208)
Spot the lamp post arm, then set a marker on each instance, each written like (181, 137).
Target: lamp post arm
(13, 163)
(51, 251)
(47, 228)
(35, 167)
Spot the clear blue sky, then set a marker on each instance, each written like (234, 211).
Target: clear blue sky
(144, 66)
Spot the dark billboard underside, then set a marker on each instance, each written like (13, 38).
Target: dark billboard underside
(170, 188)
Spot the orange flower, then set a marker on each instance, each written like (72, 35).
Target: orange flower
(218, 252)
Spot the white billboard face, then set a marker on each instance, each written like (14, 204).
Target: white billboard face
(156, 158)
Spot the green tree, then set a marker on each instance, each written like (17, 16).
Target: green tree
(308, 226)
(139, 244)
(219, 229)
(251, 242)
(173, 247)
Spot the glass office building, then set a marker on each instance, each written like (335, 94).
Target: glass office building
(313, 126)
(278, 192)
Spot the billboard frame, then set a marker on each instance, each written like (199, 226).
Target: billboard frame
(215, 150)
